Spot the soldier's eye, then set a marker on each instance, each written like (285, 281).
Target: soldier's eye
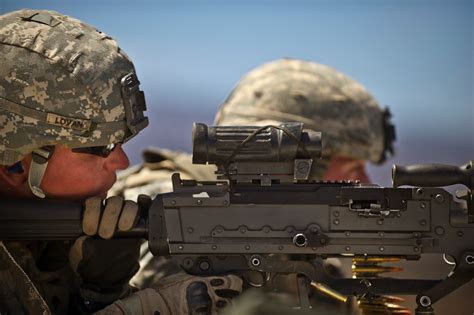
(102, 151)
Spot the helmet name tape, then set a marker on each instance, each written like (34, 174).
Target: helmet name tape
(68, 122)
(50, 118)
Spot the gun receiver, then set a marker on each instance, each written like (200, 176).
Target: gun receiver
(437, 175)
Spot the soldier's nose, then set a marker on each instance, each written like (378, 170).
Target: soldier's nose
(117, 160)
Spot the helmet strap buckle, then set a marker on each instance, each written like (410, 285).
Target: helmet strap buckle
(39, 163)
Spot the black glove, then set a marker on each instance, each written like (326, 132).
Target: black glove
(181, 294)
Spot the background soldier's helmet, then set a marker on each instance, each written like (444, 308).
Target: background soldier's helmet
(63, 81)
(350, 119)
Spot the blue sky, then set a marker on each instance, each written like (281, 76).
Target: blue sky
(415, 56)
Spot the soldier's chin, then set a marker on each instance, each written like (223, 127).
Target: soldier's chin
(104, 194)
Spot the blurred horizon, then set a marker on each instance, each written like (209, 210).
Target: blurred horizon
(415, 56)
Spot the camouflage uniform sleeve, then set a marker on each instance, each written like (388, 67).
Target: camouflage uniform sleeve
(18, 293)
(153, 176)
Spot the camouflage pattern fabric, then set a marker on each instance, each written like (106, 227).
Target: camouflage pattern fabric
(36, 279)
(13, 276)
(59, 83)
(324, 99)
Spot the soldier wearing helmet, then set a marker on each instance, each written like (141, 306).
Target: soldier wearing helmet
(63, 82)
(69, 98)
(354, 126)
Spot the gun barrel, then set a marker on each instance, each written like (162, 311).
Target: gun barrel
(433, 175)
(40, 220)
(46, 219)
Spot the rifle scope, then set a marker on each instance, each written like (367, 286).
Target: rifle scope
(223, 144)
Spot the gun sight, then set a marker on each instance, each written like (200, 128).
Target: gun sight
(266, 154)
(286, 142)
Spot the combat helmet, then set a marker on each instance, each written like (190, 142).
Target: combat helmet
(350, 119)
(62, 82)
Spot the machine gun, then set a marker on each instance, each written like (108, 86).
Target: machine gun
(269, 204)
(266, 202)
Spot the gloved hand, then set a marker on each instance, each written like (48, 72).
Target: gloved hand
(181, 294)
(103, 265)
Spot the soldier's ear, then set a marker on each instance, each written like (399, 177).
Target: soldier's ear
(13, 176)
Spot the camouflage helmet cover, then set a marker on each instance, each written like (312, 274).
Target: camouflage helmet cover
(350, 119)
(63, 81)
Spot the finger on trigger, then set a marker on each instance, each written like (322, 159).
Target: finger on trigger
(108, 223)
(128, 217)
(91, 218)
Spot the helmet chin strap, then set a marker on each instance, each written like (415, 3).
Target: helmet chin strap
(39, 162)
